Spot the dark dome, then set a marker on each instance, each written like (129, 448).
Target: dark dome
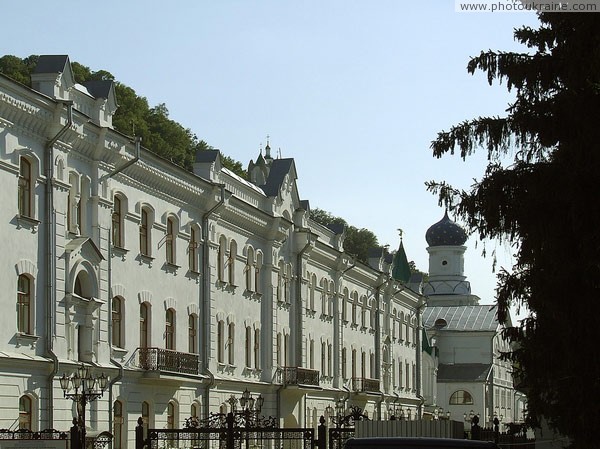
(445, 233)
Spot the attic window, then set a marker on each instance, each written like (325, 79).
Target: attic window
(440, 323)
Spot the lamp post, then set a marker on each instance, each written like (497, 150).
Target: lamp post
(251, 407)
(87, 388)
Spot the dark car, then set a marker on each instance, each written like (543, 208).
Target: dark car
(415, 443)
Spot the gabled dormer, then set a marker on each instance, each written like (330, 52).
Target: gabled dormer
(208, 164)
(53, 76)
(105, 99)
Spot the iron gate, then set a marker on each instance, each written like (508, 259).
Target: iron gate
(228, 431)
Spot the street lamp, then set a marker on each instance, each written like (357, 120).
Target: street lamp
(251, 406)
(87, 388)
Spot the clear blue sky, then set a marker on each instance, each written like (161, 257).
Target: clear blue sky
(354, 91)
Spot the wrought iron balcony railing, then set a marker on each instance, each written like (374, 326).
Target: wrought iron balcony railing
(364, 385)
(159, 359)
(300, 376)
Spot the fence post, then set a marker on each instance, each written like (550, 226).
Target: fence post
(475, 429)
(75, 436)
(321, 432)
(139, 434)
(230, 440)
(496, 430)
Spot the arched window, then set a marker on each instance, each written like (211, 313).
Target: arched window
(323, 358)
(353, 363)
(231, 344)
(354, 308)
(278, 349)
(171, 415)
(170, 329)
(145, 232)
(145, 417)
(170, 243)
(117, 223)
(329, 359)
(117, 322)
(372, 365)
(257, 268)
(345, 301)
(192, 334)
(344, 362)
(171, 422)
(231, 261)
(118, 425)
(313, 286)
(25, 413)
(24, 304)
(400, 371)
(257, 348)
(249, 269)
(25, 203)
(144, 325)
(248, 346)
(193, 250)
(286, 349)
(363, 364)
(221, 341)
(311, 354)
(221, 258)
(461, 397)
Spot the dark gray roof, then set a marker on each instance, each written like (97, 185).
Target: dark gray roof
(337, 228)
(207, 155)
(51, 63)
(462, 318)
(279, 168)
(99, 88)
(305, 205)
(375, 252)
(473, 372)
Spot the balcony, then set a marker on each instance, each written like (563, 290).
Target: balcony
(166, 360)
(300, 376)
(364, 385)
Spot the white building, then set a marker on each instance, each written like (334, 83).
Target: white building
(471, 378)
(184, 288)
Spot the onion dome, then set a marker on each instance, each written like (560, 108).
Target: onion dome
(445, 233)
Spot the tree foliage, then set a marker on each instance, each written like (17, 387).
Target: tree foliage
(545, 203)
(134, 116)
(357, 241)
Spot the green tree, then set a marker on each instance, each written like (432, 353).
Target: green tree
(540, 193)
(357, 241)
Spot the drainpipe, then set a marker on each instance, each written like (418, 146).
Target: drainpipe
(299, 293)
(50, 259)
(420, 306)
(138, 144)
(204, 299)
(378, 341)
(113, 361)
(299, 318)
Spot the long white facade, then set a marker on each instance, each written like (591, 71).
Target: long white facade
(184, 288)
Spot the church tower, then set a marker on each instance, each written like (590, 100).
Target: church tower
(447, 284)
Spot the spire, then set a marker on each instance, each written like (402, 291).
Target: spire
(401, 269)
(268, 149)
